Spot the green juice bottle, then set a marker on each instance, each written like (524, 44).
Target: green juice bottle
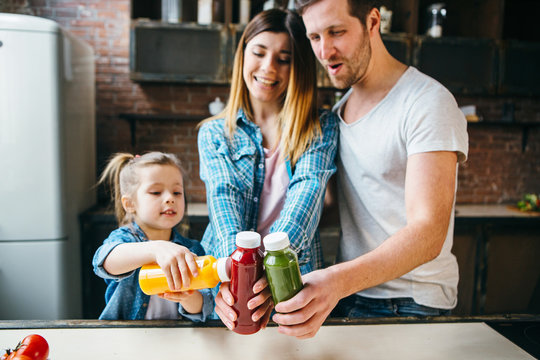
(281, 267)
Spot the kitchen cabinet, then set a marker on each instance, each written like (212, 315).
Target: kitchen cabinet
(469, 65)
(488, 47)
(518, 72)
(183, 52)
(95, 227)
(497, 249)
(482, 52)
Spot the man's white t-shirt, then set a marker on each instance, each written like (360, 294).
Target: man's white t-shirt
(417, 115)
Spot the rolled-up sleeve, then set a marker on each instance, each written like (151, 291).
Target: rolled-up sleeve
(207, 307)
(117, 237)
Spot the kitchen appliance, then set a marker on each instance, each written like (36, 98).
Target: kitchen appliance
(47, 166)
(436, 14)
(386, 20)
(171, 11)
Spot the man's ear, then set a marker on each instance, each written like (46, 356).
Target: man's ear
(128, 204)
(373, 21)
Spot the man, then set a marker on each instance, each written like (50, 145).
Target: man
(401, 138)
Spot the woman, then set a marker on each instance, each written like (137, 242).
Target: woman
(266, 158)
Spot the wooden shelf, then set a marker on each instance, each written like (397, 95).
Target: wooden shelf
(525, 127)
(133, 118)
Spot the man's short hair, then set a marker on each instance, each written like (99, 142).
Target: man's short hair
(357, 8)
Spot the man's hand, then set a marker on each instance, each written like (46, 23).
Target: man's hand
(303, 315)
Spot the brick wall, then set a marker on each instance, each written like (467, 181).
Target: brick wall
(498, 169)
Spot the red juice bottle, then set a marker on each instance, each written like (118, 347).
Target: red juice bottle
(246, 269)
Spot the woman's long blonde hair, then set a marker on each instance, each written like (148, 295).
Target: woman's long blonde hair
(298, 123)
(122, 177)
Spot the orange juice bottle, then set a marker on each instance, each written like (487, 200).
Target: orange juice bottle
(211, 271)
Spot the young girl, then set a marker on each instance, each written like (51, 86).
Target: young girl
(149, 201)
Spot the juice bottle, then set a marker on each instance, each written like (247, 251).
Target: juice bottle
(246, 269)
(281, 267)
(211, 271)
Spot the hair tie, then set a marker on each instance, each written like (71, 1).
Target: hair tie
(137, 156)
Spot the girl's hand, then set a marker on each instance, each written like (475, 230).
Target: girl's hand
(176, 261)
(177, 296)
(191, 300)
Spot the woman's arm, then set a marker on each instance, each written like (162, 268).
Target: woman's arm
(303, 205)
(225, 192)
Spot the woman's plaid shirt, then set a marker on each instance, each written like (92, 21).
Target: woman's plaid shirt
(233, 171)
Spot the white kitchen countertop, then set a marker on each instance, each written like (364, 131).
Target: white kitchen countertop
(386, 341)
(493, 211)
(462, 210)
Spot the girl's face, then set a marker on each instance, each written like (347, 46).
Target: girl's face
(159, 201)
(267, 66)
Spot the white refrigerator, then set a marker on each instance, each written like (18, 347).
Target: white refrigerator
(47, 166)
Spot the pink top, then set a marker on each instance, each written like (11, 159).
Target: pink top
(276, 181)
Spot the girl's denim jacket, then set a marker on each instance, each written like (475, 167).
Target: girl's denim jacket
(123, 296)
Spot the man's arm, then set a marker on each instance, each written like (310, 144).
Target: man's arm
(429, 197)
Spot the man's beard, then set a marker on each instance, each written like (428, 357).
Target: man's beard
(357, 69)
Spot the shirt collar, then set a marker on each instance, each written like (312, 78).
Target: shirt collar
(142, 236)
(242, 120)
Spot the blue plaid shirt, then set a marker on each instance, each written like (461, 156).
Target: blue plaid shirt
(233, 171)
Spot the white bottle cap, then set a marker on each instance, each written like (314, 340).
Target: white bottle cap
(223, 270)
(248, 239)
(276, 241)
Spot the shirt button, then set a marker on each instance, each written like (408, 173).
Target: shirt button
(255, 199)
(145, 305)
(261, 166)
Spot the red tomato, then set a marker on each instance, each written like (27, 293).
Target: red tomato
(32, 347)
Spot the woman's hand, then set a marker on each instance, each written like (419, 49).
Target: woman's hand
(224, 302)
(176, 261)
(262, 301)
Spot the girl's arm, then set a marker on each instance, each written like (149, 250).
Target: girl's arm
(175, 260)
(192, 301)
(128, 257)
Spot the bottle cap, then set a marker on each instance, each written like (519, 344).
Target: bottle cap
(223, 269)
(248, 239)
(276, 241)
